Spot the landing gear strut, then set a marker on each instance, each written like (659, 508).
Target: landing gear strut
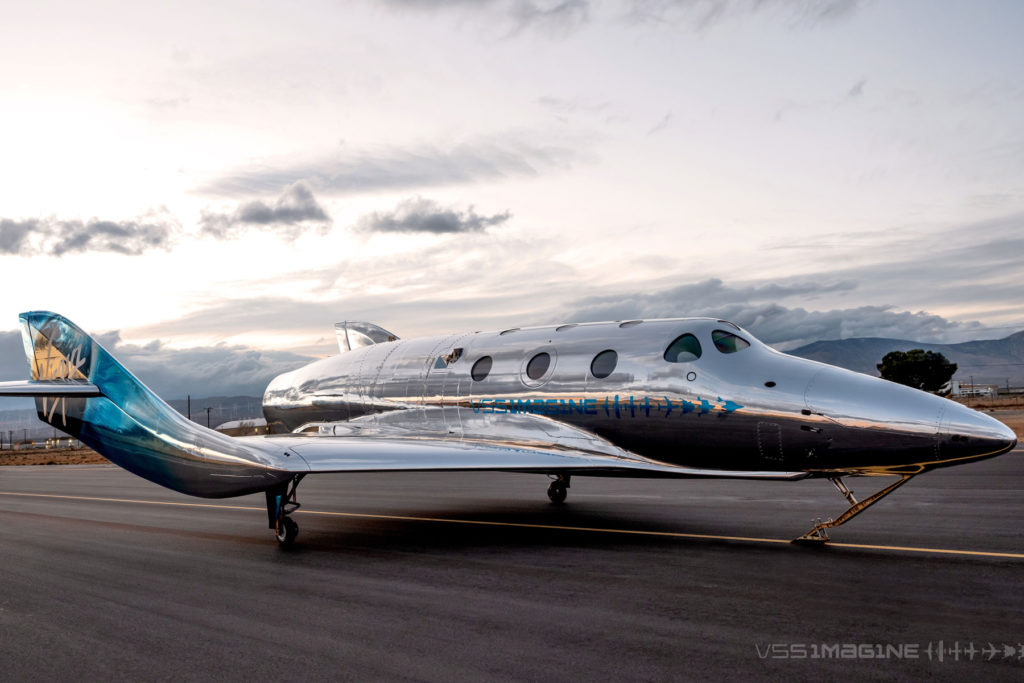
(559, 488)
(281, 502)
(819, 534)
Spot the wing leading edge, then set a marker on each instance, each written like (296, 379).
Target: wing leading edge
(375, 453)
(457, 439)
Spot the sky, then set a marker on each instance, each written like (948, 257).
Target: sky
(211, 186)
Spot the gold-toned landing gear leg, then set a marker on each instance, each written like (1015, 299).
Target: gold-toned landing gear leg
(819, 534)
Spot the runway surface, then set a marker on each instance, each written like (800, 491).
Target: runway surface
(477, 576)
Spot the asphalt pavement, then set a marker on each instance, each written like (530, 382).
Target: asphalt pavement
(478, 577)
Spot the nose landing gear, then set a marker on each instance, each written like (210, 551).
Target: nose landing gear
(819, 534)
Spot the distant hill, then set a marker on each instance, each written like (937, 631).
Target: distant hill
(222, 408)
(989, 361)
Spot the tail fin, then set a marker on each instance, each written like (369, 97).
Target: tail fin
(61, 354)
(129, 424)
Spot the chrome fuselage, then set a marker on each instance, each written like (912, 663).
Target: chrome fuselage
(728, 407)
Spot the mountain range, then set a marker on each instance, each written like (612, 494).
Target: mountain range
(988, 361)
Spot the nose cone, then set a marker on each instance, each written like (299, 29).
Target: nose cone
(968, 434)
(875, 425)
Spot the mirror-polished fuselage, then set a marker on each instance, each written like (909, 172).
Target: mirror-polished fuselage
(694, 392)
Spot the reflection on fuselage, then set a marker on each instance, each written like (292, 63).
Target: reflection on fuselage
(693, 392)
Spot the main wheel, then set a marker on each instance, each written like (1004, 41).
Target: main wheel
(286, 532)
(557, 492)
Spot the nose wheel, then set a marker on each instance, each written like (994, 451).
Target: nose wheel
(559, 489)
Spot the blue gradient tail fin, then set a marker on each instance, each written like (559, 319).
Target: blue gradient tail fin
(83, 391)
(62, 355)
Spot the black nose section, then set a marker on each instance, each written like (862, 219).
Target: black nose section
(966, 433)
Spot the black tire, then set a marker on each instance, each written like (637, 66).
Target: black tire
(557, 492)
(286, 532)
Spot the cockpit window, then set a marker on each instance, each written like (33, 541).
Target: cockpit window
(727, 342)
(683, 350)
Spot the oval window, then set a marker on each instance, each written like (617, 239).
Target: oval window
(538, 366)
(683, 350)
(481, 369)
(727, 342)
(604, 364)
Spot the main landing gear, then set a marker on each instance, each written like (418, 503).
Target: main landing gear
(281, 502)
(819, 534)
(559, 488)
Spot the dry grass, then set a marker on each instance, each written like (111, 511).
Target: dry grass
(994, 402)
(1014, 419)
(66, 456)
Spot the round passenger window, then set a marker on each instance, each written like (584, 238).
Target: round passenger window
(727, 342)
(683, 350)
(481, 369)
(604, 364)
(538, 366)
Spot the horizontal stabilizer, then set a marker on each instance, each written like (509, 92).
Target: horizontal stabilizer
(53, 388)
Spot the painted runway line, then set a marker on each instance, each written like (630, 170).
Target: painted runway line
(527, 525)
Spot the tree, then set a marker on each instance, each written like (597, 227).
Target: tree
(926, 370)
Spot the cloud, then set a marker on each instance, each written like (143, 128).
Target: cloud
(173, 373)
(756, 308)
(293, 212)
(559, 18)
(554, 17)
(426, 215)
(13, 364)
(702, 14)
(974, 269)
(661, 125)
(562, 105)
(396, 168)
(156, 230)
(858, 89)
(220, 370)
(14, 235)
(962, 267)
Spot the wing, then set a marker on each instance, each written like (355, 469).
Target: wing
(456, 439)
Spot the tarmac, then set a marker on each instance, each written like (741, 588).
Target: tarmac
(417, 576)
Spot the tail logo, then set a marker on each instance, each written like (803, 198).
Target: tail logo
(59, 367)
(55, 366)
